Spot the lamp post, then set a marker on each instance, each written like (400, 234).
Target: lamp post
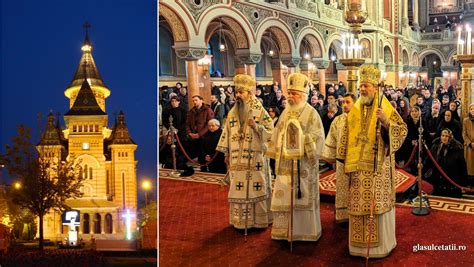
(465, 56)
(17, 185)
(355, 15)
(146, 186)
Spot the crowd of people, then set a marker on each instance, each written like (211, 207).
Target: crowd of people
(436, 110)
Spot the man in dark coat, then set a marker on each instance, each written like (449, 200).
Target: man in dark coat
(196, 124)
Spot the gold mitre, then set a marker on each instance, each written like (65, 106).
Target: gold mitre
(244, 82)
(369, 74)
(298, 82)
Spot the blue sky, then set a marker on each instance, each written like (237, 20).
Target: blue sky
(40, 51)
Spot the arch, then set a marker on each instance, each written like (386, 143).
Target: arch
(423, 53)
(451, 55)
(108, 223)
(366, 45)
(89, 160)
(331, 39)
(178, 28)
(405, 57)
(318, 43)
(388, 55)
(97, 223)
(86, 228)
(282, 33)
(236, 21)
(87, 190)
(336, 45)
(414, 58)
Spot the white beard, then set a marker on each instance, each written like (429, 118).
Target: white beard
(367, 100)
(295, 107)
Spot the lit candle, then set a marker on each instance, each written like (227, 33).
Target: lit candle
(459, 41)
(462, 48)
(344, 46)
(468, 40)
(357, 48)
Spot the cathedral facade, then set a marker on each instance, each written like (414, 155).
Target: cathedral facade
(107, 157)
(412, 42)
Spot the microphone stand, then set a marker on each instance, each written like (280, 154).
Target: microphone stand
(420, 211)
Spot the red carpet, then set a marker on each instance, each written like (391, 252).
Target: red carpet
(194, 231)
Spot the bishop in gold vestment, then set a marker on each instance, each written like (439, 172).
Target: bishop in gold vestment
(372, 183)
(333, 144)
(246, 133)
(296, 146)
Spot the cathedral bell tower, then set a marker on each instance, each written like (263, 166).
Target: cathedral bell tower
(87, 69)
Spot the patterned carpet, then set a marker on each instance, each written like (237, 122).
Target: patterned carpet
(194, 231)
(449, 204)
(328, 186)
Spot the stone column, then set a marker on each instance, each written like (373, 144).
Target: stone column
(81, 226)
(415, 15)
(192, 55)
(322, 65)
(278, 74)
(405, 13)
(102, 223)
(239, 67)
(291, 62)
(250, 60)
(115, 222)
(304, 68)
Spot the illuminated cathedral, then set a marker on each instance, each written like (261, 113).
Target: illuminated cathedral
(106, 155)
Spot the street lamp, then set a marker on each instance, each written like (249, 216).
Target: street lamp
(17, 185)
(146, 186)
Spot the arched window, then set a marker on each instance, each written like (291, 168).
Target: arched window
(97, 221)
(108, 223)
(86, 224)
(85, 171)
(90, 173)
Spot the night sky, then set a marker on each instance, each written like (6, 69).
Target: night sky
(40, 51)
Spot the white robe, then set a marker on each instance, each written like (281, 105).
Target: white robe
(306, 216)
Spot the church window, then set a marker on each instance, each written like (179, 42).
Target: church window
(86, 128)
(108, 223)
(97, 221)
(80, 128)
(86, 224)
(97, 128)
(126, 154)
(90, 173)
(91, 128)
(85, 171)
(74, 128)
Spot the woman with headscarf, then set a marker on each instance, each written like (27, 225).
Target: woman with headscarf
(453, 107)
(448, 153)
(468, 135)
(447, 121)
(208, 150)
(413, 122)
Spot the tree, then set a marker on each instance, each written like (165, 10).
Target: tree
(46, 183)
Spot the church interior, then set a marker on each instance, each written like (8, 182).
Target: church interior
(423, 52)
